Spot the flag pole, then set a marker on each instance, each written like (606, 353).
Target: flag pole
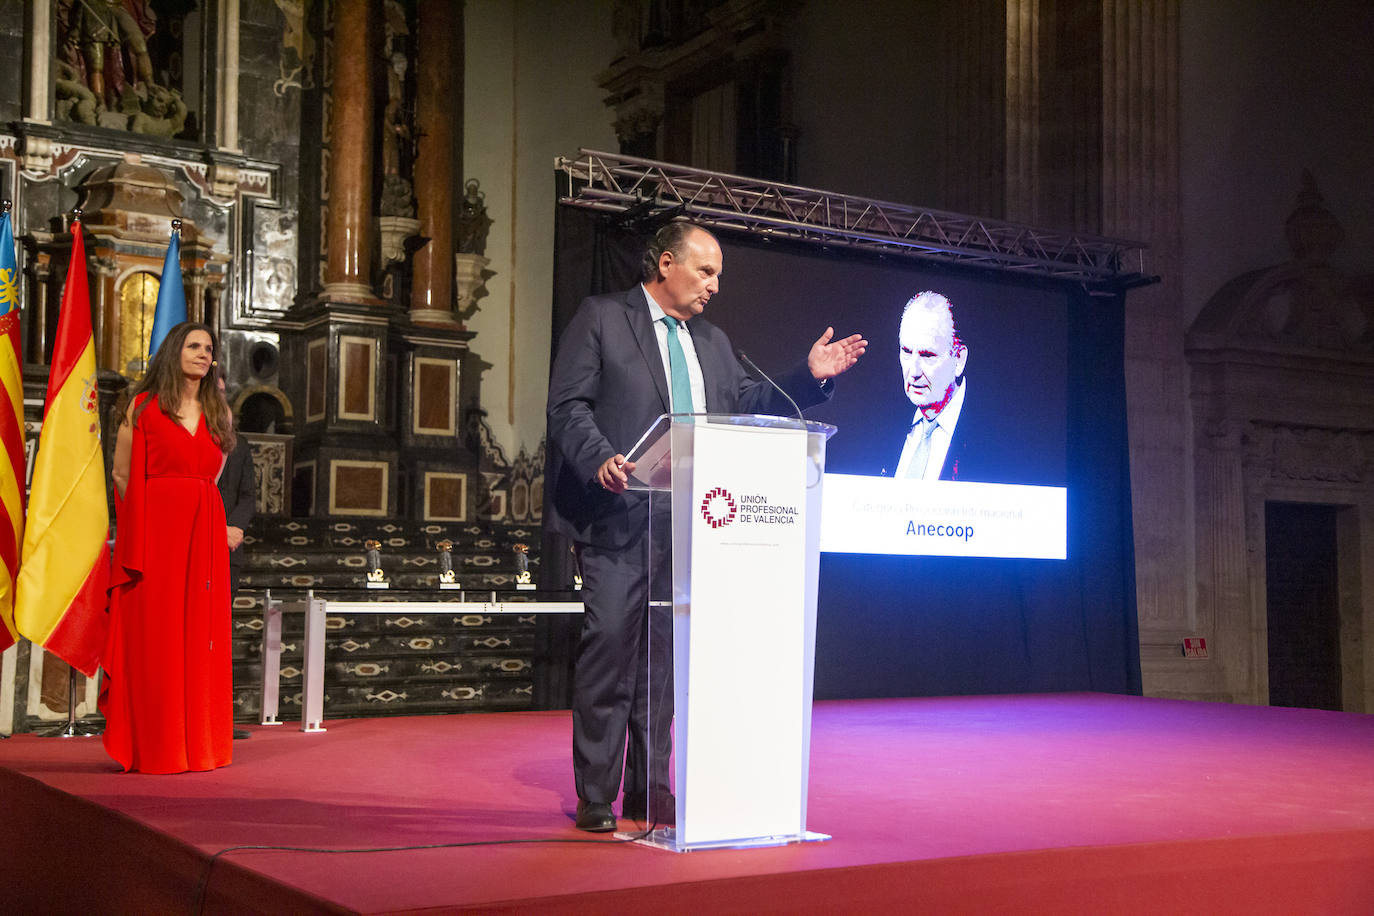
(73, 728)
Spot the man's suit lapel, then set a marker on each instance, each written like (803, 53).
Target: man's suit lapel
(637, 313)
(712, 371)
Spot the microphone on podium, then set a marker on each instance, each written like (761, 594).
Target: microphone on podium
(753, 368)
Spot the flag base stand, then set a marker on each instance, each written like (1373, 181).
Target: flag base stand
(72, 728)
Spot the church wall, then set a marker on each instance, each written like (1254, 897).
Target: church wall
(1265, 90)
(1269, 88)
(269, 103)
(867, 118)
(530, 95)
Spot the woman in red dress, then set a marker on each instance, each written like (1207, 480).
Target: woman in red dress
(167, 694)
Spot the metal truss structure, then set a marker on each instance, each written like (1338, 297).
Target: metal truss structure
(642, 189)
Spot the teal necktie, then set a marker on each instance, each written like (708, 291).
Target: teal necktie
(677, 370)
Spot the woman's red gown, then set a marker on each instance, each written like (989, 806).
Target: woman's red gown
(167, 694)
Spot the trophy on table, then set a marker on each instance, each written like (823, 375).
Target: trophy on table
(376, 578)
(522, 567)
(447, 579)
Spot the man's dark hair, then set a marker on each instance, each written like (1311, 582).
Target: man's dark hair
(671, 237)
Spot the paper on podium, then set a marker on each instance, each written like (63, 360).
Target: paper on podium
(652, 456)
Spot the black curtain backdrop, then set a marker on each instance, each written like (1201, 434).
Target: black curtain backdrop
(925, 626)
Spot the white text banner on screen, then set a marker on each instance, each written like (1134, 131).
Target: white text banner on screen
(883, 515)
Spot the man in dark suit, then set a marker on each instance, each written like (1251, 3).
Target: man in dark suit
(238, 487)
(623, 360)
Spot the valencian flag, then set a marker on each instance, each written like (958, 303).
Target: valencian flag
(60, 603)
(11, 431)
(171, 294)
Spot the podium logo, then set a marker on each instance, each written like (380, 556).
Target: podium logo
(718, 507)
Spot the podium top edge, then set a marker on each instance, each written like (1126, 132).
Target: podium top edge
(757, 420)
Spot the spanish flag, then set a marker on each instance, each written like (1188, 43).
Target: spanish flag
(60, 603)
(11, 432)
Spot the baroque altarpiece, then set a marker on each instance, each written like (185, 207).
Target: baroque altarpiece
(328, 239)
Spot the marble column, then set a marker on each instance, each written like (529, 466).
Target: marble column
(39, 66)
(104, 270)
(348, 268)
(1223, 597)
(973, 101)
(1140, 200)
(439, 88)
(1023, 117)
(35, 350)
(227, 76)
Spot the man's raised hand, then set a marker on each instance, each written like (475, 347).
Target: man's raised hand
(828, 358)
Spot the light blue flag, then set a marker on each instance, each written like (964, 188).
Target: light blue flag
(9, 270)
(171, 295)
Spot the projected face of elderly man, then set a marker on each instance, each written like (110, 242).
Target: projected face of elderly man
(931, 355)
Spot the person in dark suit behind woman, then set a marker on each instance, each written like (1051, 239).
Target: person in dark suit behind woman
(238, 484)
(238, 487)
(613, 375)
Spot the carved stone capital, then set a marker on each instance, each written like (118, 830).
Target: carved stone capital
(394, 230)
(1222, 435)
(639, 114)
(224, 180)
(469, 275)
(38, 153)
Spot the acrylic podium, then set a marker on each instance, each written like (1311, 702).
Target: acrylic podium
(745, 497)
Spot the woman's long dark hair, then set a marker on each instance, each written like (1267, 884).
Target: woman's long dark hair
(164, 379)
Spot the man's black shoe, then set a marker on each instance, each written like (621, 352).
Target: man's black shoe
(241, 733)
(595, 817)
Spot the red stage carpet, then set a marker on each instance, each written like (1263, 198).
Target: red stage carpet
(1052, 803)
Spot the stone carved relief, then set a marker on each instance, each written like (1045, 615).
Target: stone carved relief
(1313, 308)
(1301, 304)
(274, 260)
(269, 461)
(106, 73)
(1308, 454)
